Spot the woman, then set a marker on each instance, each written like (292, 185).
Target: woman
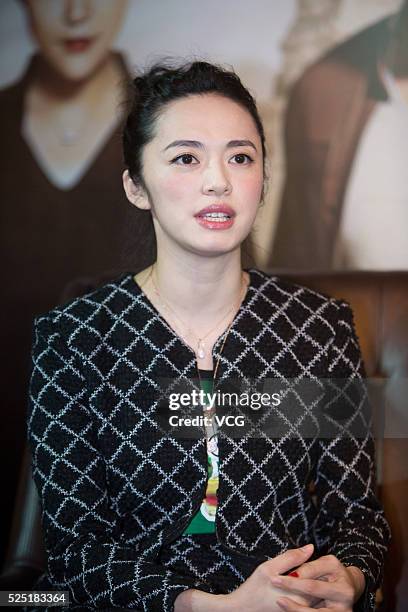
(122, 499)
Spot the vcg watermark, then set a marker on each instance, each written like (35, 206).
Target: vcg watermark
(209, 401)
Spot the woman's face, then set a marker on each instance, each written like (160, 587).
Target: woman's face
(75, 36)
(206, 152)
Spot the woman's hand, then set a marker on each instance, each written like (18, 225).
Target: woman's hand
(338, 587)
(257, 594)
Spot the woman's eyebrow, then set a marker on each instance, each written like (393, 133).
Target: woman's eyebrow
(185, 143)
(241, 143)
(199, 145)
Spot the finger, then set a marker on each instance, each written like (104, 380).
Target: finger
(313, 588)
(290, 606)
(288, 560)
(323, 566)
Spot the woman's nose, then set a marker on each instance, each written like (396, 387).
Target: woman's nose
(76, 11)
(216, 180)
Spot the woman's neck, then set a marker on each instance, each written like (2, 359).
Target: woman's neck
(55, 92)
(200, 293)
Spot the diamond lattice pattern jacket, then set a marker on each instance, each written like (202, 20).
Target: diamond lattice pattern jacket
(116, 488)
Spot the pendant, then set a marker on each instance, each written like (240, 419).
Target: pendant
(200, 350)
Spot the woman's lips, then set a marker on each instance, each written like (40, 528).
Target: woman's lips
(78, 45)
(208, 223)
(216, 209)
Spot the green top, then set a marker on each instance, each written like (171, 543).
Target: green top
(204, 519)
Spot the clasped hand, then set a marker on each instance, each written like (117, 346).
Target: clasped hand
(324, 584)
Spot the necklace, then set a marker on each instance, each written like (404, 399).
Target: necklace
(201, 352)
(211, 412)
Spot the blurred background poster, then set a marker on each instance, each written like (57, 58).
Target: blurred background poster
(331, 81)
(345, 200)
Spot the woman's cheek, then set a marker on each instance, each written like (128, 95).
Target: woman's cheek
(179, 189)
(251, 189)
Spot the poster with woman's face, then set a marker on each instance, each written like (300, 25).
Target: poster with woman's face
(85, 50)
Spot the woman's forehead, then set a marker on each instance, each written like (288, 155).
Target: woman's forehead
(198, 117)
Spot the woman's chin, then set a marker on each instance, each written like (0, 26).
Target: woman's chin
(76, 69)
(215, 250)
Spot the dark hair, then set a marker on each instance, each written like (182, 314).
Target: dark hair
(164, 82)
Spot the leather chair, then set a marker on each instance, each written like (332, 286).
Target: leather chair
(380, 304)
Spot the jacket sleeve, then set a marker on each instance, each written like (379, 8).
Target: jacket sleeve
(350, 523)
(86, 553)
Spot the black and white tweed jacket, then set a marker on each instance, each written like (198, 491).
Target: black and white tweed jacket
(114, 489)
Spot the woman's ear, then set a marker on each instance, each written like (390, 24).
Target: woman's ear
(135, 193)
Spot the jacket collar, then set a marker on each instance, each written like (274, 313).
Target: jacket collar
(245, 326)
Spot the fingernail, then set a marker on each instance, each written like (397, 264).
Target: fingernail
(294, 574)
(307, 548)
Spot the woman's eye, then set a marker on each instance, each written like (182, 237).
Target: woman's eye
(184, 160)
(242, 158)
